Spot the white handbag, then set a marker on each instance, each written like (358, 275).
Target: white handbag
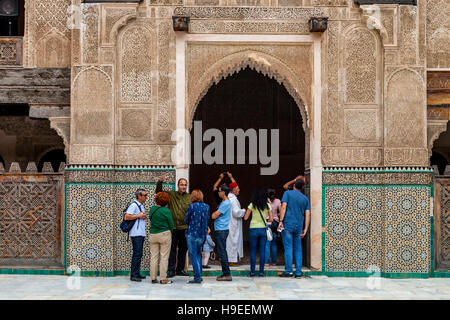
(269, 234)
(268, 230)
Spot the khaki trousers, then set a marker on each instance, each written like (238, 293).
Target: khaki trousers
(160, 244)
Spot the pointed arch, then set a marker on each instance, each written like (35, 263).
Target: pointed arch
(120, 24)
(52, 50)
(258, 61)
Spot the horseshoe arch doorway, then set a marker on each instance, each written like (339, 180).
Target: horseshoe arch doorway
(248, 99)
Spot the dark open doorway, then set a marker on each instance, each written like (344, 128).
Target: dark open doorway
(55, 157)
(245, 100)
(24, 139)
(441, 151)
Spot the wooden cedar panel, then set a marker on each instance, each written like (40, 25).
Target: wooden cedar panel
(442, 183)
(35, 85)
(27, 207)
(24, 95)
(438, 87)
(437, 223)
(23, 77)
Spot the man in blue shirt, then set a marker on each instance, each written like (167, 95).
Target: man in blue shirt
(294, 219)
(137, 233)
(221, 225)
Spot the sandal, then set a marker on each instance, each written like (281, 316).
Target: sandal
(166, 281)
(155, 281)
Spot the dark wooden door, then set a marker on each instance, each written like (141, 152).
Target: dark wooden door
(247, 100)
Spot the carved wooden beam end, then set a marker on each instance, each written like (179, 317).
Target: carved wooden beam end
(180, 23)
(404, 2)
(106, 1)
(318, 24)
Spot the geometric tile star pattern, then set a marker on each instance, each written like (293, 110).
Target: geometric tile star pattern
(386, 227)
(94, 240)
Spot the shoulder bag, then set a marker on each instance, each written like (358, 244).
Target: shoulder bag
(268, 231)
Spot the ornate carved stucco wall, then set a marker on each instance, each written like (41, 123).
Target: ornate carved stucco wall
(374, 105)
(352, 116)
(369, 63)
(405, 93)
(47, 35)
(124, 77)
(122, 114)
(438, 62)
(438, 34)
(290, 64)
(125, 49)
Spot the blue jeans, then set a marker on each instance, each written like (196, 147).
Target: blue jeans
(257, 237)
(195, 254)
(271, 247)
(221, 244)
(138, 247)
(292, 243)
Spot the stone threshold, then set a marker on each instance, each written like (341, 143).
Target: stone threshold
(244, 270)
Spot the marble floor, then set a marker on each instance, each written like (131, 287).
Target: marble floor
(47, 287)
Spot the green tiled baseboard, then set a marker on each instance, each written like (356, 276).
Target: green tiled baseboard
(274, 273)
(206, 273)
(119, 169)
(441, 274)
(51, 272)
(363, 274)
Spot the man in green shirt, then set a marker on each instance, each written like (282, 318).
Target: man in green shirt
(178, 205)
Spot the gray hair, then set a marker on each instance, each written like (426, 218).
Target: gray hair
(139, 192)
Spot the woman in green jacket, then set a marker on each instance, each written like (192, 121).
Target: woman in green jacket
(161, 226)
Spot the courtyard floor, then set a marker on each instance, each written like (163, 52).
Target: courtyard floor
(48, 287)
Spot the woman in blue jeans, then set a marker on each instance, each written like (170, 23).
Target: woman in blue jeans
(261, 211)
(271, 246)
(197, 218)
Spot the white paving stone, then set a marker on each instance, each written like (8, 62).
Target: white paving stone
(30, 287)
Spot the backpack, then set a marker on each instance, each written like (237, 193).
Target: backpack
(127, 225)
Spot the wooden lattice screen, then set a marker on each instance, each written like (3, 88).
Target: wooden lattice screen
(30, 219)
(442, 222)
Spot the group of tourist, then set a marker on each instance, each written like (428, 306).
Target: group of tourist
(179, 224)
